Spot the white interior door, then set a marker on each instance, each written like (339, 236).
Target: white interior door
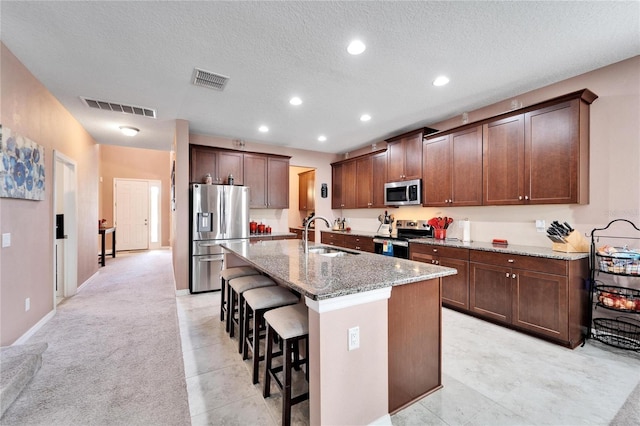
(65, 274)
(131, 212)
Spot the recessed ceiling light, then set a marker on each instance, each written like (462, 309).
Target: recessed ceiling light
(263, 129)
(295, 101)
(356, 47)
(441, 81)
(322, 138)
(129, 131)
(365, 117)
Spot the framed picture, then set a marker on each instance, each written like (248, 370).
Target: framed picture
(22, 173)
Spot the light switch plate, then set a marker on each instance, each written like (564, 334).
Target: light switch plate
(6, 240)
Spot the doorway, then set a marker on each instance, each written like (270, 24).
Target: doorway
(137, 213)
(65, 241)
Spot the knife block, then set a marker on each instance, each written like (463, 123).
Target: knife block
(576, 243)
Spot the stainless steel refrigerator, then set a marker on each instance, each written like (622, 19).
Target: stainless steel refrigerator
(218, 213)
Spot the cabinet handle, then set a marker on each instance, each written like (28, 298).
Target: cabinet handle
(519, 197)
(433, 262)
(511, 261)
(507, 275)
(513, 276)
(437, 262)
(435, 250)
(450, 201)
(526, 197)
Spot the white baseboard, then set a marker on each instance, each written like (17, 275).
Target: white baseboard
(23, 339)
(184, 292)
(384, 420)
(87, 281)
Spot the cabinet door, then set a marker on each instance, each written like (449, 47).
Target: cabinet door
(255, 178)
(379, 178)
(332, 239)
(302, 191)
(364, 182)
(311, 190)
(349, 185)
(540, 303)
(436, 172)
(466, 167)
(455, 288)
(503, 158)
(413, 156)
(336, 186)
(231, 163)
(552, 143)
(277, 183)
(395, 161)
(490, 292)
(203, 161)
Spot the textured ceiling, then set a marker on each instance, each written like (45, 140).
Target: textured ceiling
(144, 53)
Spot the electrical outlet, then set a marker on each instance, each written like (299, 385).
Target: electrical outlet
(540, 225)
(27, 304)
(6, 240)
(354, 338)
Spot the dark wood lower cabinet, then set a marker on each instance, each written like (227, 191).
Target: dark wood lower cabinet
(455, 288)
(490, 292)
(415, 336)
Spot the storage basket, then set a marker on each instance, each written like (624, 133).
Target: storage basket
(617, 332)
(618, 265)
(618, 298)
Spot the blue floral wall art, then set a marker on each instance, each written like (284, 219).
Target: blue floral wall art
(22, 167)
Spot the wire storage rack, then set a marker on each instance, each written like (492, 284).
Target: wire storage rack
(614, 264)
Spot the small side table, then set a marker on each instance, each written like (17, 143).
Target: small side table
(103, 232)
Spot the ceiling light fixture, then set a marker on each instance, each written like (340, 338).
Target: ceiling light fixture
(441, 81)
(365, 117)
(263, 129)
(295, 101)
(356, 47)
(129, 131)
(322, 138)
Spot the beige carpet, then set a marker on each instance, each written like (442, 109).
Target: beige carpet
(114, 355)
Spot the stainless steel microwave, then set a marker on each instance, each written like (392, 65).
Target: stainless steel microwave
(405, 193)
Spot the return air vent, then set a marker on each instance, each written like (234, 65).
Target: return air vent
(208, 79)
(127, 109)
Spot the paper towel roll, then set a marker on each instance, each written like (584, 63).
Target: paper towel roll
(466, 231)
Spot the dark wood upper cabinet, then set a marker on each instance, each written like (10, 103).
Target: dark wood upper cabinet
(268, 180)
(452, 173)
(540, 156)
(364, 182)
(343, 183)
(219, 163)
(255, 177)
(306, 190)
(231, 163)
(359, 182)
(379, 178)
(404, 157)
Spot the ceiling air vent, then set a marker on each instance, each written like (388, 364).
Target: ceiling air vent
(127, 109)
(208, 79)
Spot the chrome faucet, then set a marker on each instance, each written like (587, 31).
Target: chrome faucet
(306, 231)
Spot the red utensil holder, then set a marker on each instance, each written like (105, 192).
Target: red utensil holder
(440, 233)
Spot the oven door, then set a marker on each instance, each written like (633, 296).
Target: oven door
(391, 247)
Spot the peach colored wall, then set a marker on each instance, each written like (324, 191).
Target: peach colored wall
(355, 387)
(135, 163)
(614, 165)
(180, 217)
(26, 267)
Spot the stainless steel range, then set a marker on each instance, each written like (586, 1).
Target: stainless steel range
(398, 246)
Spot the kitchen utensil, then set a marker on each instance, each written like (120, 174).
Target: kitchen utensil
(568, 227)
(448, 221)
(440, 233)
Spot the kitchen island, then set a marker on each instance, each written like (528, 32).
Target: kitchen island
(395, 303)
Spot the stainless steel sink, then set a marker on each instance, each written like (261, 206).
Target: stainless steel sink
(330, 251)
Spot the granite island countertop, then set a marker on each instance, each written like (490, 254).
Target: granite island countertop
(321, 277)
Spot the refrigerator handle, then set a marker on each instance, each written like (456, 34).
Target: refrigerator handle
(223, 216)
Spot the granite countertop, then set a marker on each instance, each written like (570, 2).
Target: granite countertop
(321, 277)
(534, 251)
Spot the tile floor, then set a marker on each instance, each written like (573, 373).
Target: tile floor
(491, 375)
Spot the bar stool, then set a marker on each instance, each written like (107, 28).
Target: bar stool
(229, 274)
(237, 287)
(291, 324)
(256, 303)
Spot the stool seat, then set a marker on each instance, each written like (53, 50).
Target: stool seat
(256, 303)
(269, 297)
(242, 284)
(226, 275)
(289, 321)
(237, 272)
(237, 287)
(291, 324)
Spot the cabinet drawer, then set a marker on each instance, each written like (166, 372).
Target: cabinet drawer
(357, 242)
(539, 264)
(450, 252)
(331, 238)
